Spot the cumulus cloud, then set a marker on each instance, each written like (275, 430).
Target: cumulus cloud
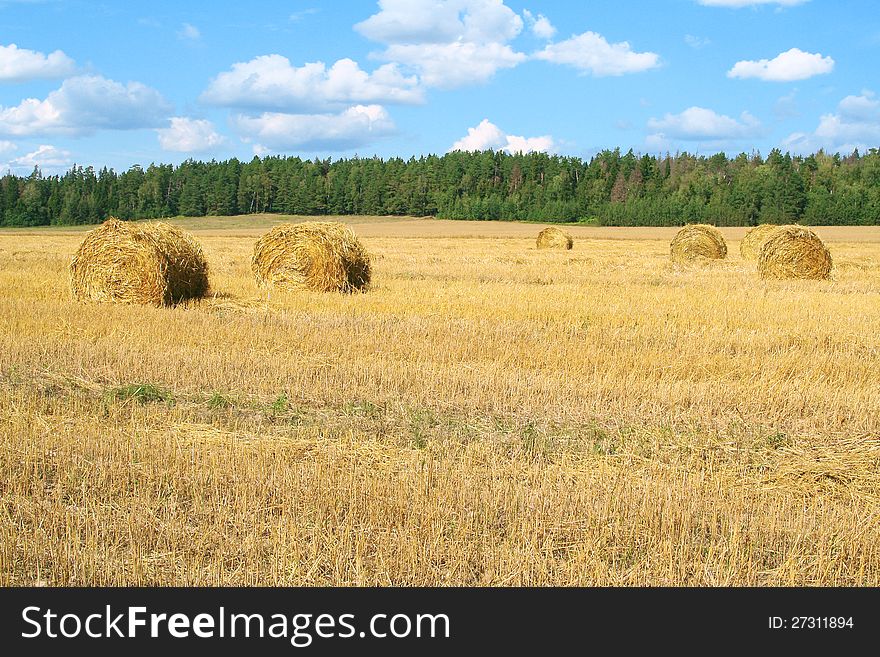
(449, 43)
(540, 25)
(7, 147)
(47, 157)
(517, 144)
(452, 43)
(591, 53)
(187, 135)
(794, 64)
(488, 136)
(357, 126)
(698, 123)
(20, 64)
(441, 21)
(83, 105)
(485, 136)
(856, 124)
(860, 108)
(271, 82)
(736, 4)
(451, 65)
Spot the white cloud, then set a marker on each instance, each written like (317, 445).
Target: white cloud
(452, 43)
(450, 65)
(488, 136)
(19, 64)
(270, 82)
(698, 123)
(736, 4)
(794, 64)
(47, 157)
(856, 124)
(860, 108)
(441, 21)
(7, 147)
(485, 136)
(189, 32)
(591, 53)
(187, 135)
(449, 43)
(540, 26)
(357, 126)
(517, 144)
(657, 143)
(85, 104)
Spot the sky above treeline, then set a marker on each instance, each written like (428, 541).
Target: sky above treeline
(124, 83)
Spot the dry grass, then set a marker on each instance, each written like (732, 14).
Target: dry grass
(322, 256)
(794, 252)
(489, 414)
(554, 238)
(149, 263)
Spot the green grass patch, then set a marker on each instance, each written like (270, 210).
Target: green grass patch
(217, 401)
(142, 393)
(280, 405)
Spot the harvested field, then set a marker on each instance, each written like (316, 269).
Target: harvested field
(489, 413)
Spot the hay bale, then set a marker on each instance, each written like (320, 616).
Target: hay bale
(794, 252)
(696, 243)
(554, 238)
(323, 256)
(151, 263)
(751, 244)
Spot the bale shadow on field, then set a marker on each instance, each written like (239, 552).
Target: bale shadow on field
(225, 303)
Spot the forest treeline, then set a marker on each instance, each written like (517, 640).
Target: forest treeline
(610, 189)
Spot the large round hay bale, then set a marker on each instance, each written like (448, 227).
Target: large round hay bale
(697, 242)
(554, 238)
(751, 244)
(147, 263)
(323, 256)
(794, 252)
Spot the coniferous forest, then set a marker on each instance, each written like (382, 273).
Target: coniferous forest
(611, 189)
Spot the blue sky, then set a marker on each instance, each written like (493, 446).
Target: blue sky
(123, 83)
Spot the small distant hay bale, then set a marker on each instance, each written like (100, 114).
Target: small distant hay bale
(554, 238)
(150, 263)
(322, 256)
(794, 252)
(751, 244)
(696, 243)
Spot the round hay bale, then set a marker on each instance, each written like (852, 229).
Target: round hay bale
(697, 242)
(794, 252)
(152, 263)
(751, 244)
(323, 256)
(554, 238)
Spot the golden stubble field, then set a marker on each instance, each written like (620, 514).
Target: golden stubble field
(488, 414)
